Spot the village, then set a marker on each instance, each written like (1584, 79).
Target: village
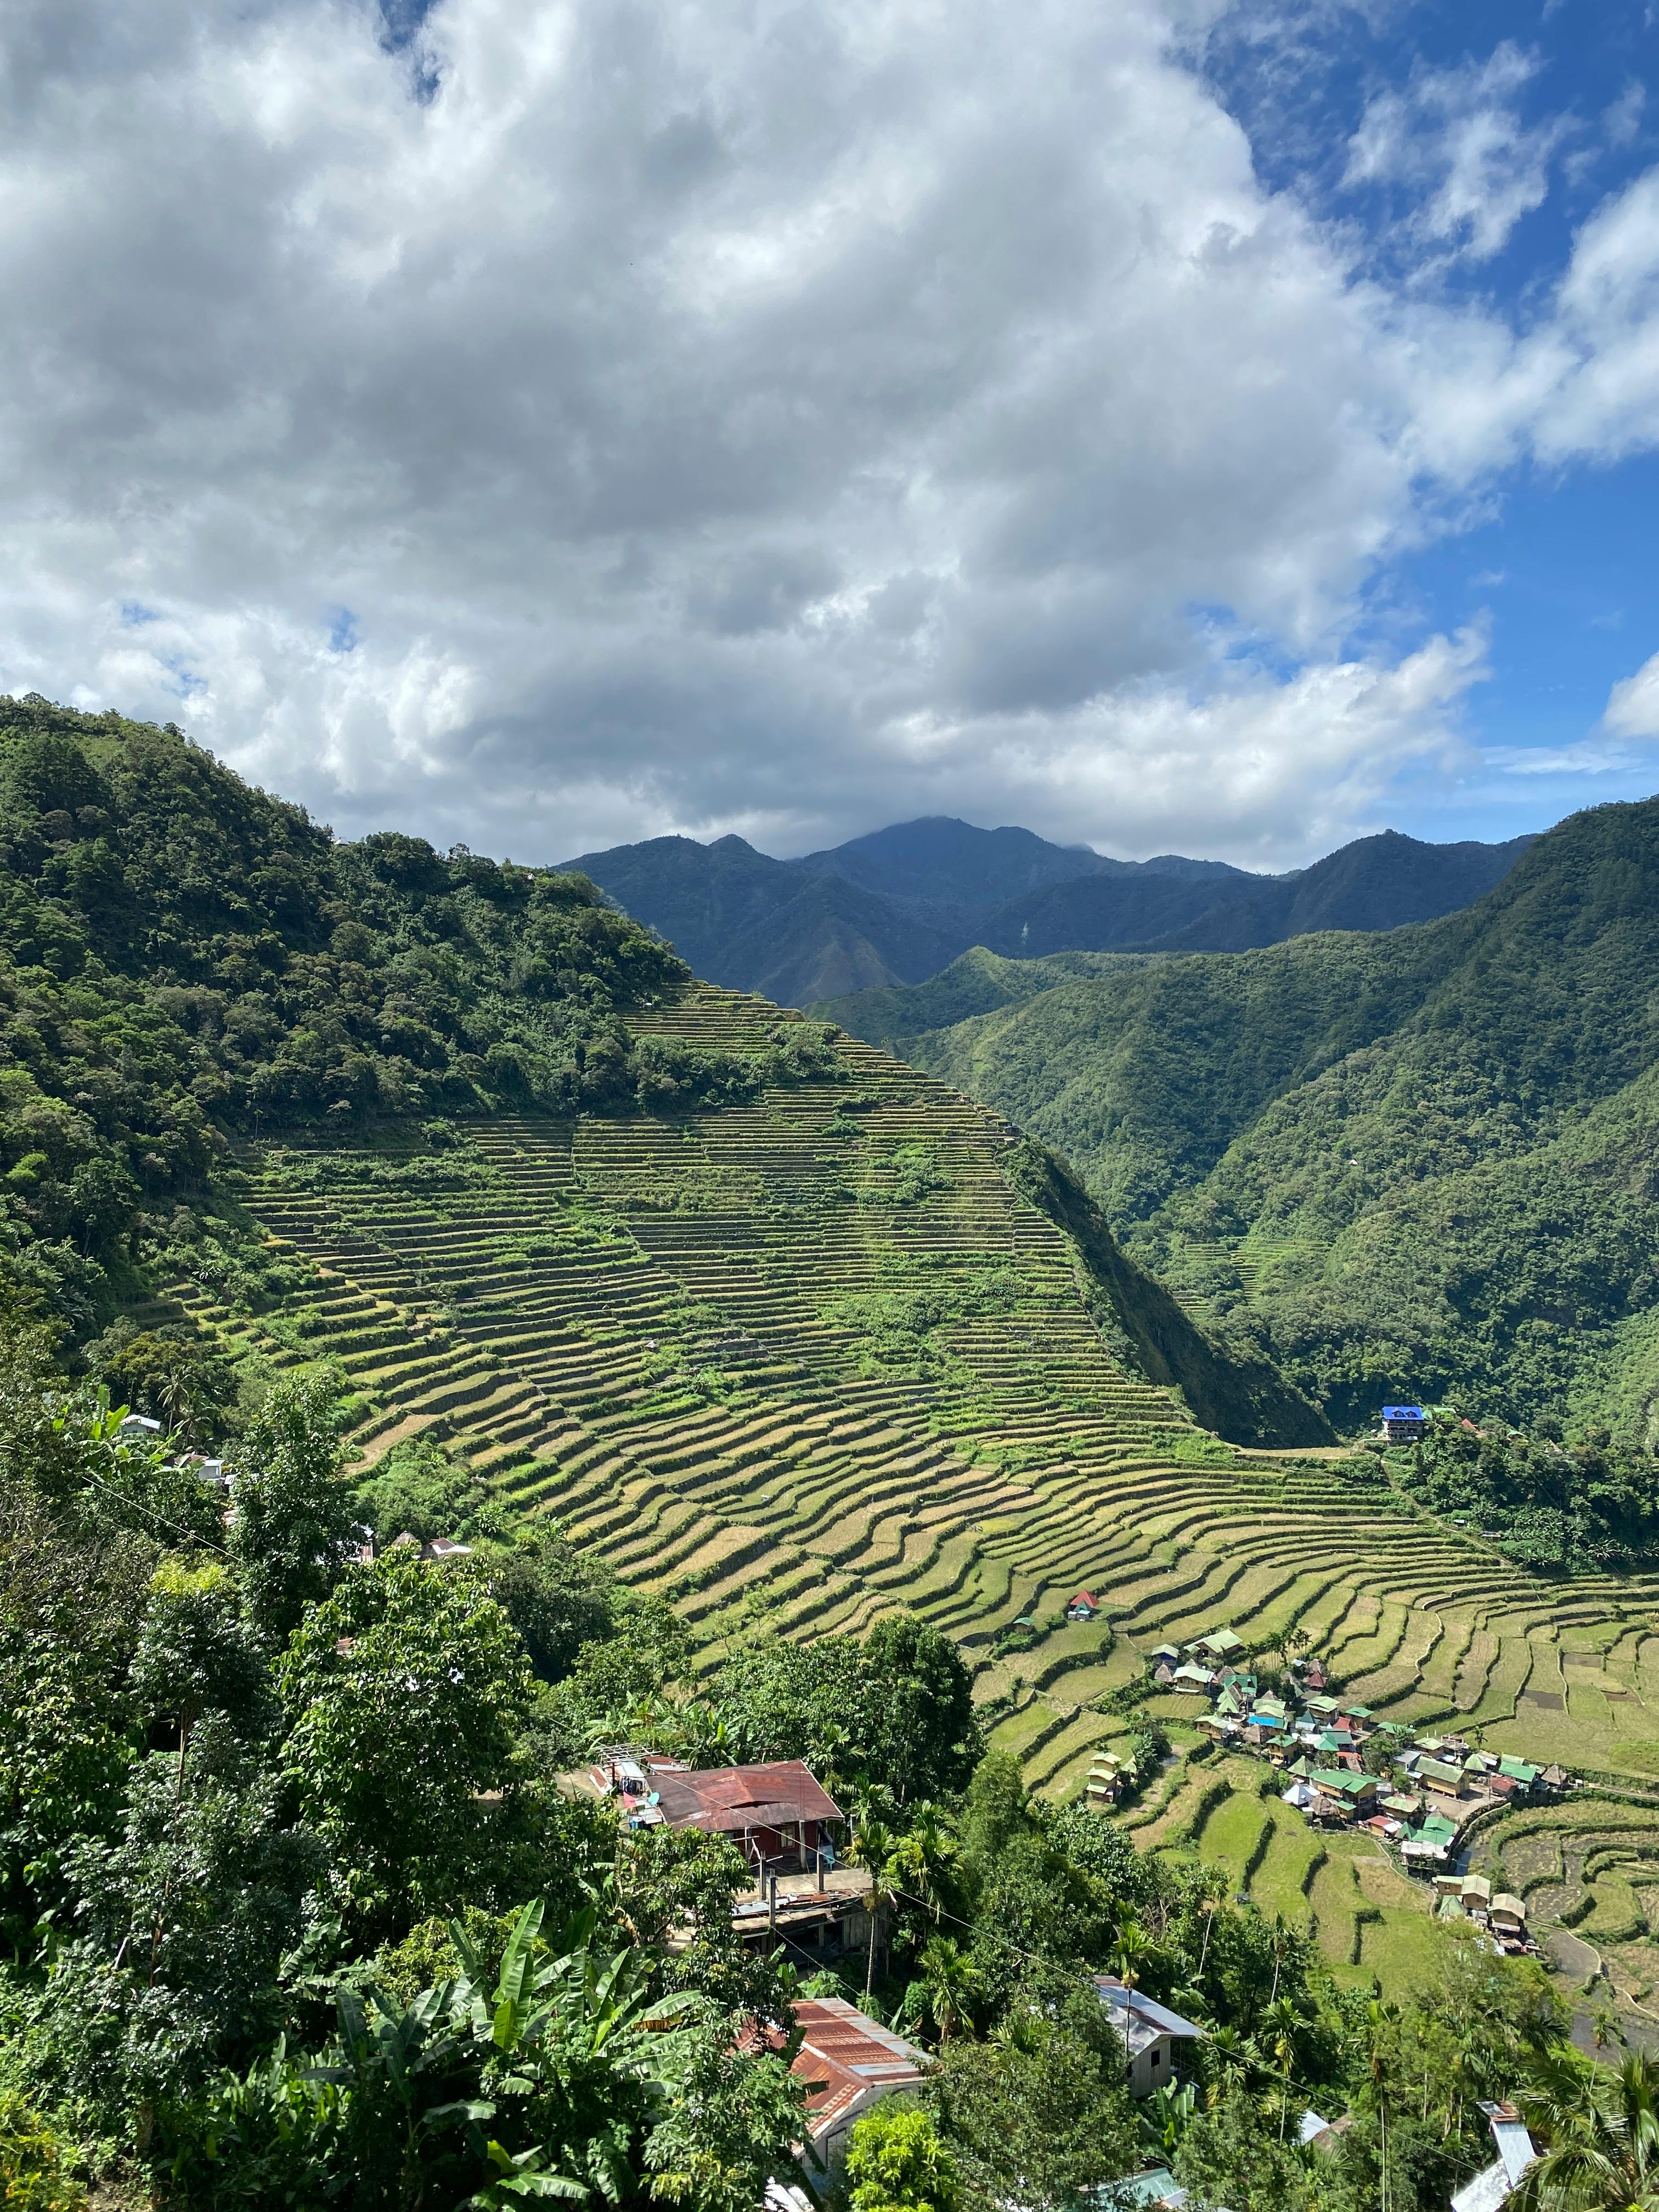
(1418, 1792)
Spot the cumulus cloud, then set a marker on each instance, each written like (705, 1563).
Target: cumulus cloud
(576, 422)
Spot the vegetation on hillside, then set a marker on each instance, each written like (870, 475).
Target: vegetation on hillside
(1241, 1397)
(295, 1912)
(1412, 1163)
(184, 959)
(1557, 1508)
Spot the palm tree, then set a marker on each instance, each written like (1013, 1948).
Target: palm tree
(1281, 1938)
(1601, 2126)
(1210, 1908)
(951, 1982)
(1286, 2024)
(1238, 2056)
(1379, 2018)
(872, 1849)
(173, 1401)
(1131, 1945)
(922, 1855)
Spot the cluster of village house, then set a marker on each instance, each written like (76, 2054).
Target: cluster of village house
(1429, 1787)
(806, 1900)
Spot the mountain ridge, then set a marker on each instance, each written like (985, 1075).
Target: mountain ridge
(896, 906)
(1413, 1160)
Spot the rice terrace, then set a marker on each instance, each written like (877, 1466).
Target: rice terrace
(829, 1108)
(799, 1363)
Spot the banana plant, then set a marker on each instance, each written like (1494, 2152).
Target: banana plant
(1165, 2116)
(578, 2038)
(394, 2063)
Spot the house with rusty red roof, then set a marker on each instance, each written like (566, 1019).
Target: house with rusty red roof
(774, 1811)
(849, 2062)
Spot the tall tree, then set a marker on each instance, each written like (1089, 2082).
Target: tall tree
(292, 1532)
(404, 1691)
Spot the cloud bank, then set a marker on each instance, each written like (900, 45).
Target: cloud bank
(582, 421)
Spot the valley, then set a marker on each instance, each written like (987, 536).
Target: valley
(737, 1348)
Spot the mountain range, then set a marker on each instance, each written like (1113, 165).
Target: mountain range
(1418, 1160)
(896, 906)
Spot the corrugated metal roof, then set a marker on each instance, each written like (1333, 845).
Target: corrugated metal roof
(726, 1799)
(847, 2054)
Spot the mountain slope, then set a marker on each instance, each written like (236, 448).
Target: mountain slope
(1409, 1161)
(1375, 883)
(188, 964)
(185, 960)
(894, 907)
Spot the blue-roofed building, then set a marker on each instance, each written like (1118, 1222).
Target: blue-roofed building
(1405, 1424)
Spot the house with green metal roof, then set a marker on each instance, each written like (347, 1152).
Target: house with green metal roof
(1353, 1788)
(1442, 1776)
(1220, 1643)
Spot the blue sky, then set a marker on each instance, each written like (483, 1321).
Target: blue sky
(1181, 426)
(1561, 561)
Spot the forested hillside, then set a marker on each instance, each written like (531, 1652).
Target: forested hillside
(1416, 1161)
(191, 967)
(184, 962)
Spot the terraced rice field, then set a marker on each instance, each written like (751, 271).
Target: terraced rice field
(1589, 1870)
(1369, 1919)
(803, 1361)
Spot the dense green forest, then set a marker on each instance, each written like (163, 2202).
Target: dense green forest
(1417, 1162)
(295, 1913)
(185, 960)
(1555, 1507)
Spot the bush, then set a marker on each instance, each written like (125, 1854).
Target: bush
(34, 2175)
(897, 2163)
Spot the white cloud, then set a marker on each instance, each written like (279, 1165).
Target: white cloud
(729, 414)
(1587, 758)
(1455, 137)
(1633, 708)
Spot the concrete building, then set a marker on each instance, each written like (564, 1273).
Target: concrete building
(1149, 2032)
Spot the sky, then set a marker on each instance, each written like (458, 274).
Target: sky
(544, 424)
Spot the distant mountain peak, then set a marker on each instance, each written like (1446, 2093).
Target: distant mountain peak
(897, 904)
